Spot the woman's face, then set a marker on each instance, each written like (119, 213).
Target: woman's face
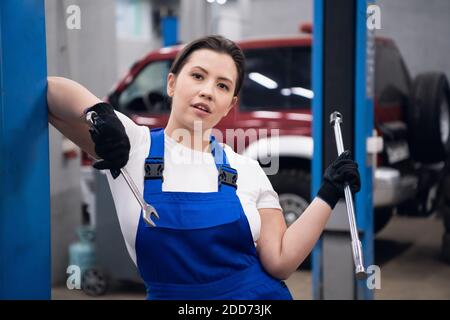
(206, 81)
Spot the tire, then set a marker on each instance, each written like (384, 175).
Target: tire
(444, 204)
(429, 118)
(445, 211)
(94, 282)
(445, 249)
(381, 218)
(293, 187)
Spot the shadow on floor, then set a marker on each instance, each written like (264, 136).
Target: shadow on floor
(387, 250)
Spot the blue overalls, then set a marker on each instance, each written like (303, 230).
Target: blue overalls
(202, 246)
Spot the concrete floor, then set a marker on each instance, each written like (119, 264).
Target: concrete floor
(407, 251)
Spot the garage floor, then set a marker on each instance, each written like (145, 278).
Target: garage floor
(407, 251)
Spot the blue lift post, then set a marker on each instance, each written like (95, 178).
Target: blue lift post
(169, 26)
(343, 81)
(24, 153)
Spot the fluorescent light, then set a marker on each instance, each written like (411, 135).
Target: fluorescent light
(221, 1)
(210, 1)
(165, 50)
(299, 116)
(267, 114)
(145, 121)
(263, 80)
(303, 92)
(286, 92)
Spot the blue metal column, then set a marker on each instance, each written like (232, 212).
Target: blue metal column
(317, 129)
(169, 30)
(364, 123)
(24, 158)
(360, 119)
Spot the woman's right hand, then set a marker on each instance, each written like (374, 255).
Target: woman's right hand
(111, 141)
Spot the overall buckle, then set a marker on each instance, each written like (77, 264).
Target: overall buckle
(154, 168)
(228, 176)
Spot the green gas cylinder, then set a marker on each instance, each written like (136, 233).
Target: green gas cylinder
(82, 253)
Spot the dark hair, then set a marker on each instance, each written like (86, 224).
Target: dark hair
(218, 44)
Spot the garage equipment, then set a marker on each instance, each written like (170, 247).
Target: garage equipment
(114, 267)
(335, 121)
(147, 210)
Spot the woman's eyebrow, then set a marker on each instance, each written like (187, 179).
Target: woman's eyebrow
(220, 78)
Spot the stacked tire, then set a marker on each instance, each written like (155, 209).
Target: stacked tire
(445, 213)
(429, 118)
(429, 134)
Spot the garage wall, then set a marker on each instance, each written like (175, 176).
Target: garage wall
(230, 19)
(88, 56)
(194, 20)
(242, 19)
(420, 29)
(135, 36)
(276, 18)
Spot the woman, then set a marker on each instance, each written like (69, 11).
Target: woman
(216, 238)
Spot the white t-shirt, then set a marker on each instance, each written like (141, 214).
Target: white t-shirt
(186, 170)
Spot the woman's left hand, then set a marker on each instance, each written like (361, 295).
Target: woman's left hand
(341, 172)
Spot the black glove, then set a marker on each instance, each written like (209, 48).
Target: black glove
(111, 141)
(342, 171)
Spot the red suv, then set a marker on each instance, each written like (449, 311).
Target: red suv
(412, 118)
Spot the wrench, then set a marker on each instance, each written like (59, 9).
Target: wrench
(335, 121)
(147, 210)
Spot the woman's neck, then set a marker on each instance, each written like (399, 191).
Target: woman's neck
(193, 138)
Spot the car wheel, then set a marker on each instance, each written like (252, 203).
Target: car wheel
(444, 202)
(94, 282)
(381, 218)
(429, 118)
(445, 211)
(446, 247)
(293, 187)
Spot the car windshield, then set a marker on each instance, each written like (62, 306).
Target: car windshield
(147, 92)
(276, 78)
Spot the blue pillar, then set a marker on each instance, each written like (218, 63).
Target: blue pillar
(341, 76)
(169, 30)
(317, 129)
(364, 125)
(24, 159)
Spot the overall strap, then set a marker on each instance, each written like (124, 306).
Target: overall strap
(227, 178)
(154, 163)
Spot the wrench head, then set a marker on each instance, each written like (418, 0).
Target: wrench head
(335, 117)
(148, 213)
(90, 117)
(360, 273)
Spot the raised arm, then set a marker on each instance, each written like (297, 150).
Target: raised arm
(67, 101)
(282, 249)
